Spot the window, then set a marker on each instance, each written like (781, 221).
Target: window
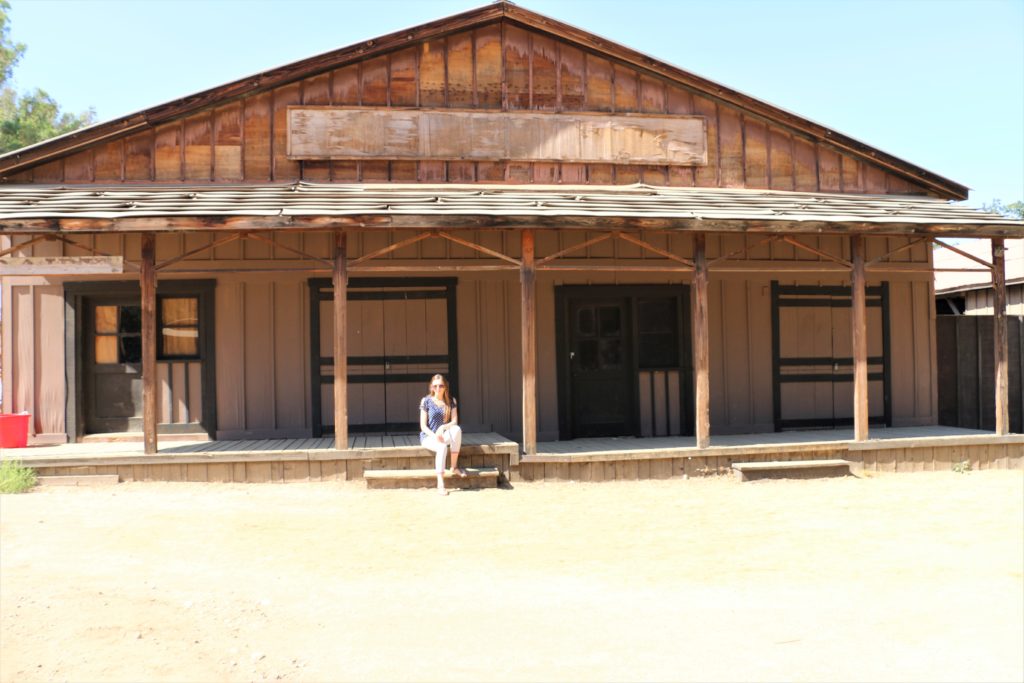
(179, 327)
(118, 334)
(118, 331)
(599, 337)
(658, 332)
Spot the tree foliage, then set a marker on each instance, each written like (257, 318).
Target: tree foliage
(1014, 210)
(10, 52)
(28, 117)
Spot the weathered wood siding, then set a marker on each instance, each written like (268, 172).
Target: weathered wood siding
(980, 301)
(966, 372)
(262, 326)
(33, 355)
(262, 356)
(179, 392)
(495, 67)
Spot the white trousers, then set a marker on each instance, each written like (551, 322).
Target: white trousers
(451, 437)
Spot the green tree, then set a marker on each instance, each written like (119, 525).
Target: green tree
(31, 116)
(1014, 210)
(10, 52)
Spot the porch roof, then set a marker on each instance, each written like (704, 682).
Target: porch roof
(302, 205)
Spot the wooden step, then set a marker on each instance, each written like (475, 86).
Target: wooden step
(78, 480)
(476, 478)
(777, 469)
(137, 437)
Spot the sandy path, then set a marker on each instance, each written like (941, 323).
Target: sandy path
(914, 577)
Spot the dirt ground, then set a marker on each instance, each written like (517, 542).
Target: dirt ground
(908, 577)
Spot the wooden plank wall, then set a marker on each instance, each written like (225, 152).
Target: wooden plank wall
(32, 345)
(979, 301)
(262, 346)
(966, 392)
(179, 392)
(658, 396)
(33, 356)
(495, 67)
(262, 340)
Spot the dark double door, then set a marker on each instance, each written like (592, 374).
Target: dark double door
(623, 360)
(400, 333)
(812, 356)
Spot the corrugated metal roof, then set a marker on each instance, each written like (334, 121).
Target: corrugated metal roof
(628, 201)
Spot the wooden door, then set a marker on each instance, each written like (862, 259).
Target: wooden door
(807, 365)
(400, 333)
(812, 347)
(624, 360)
(601, 367)
(105, 371)
(112, 364)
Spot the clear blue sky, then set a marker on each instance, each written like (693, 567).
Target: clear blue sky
(939, 83)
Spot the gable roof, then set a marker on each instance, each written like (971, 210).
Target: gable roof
(502, 10)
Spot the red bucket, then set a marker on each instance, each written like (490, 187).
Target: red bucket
(14, 430)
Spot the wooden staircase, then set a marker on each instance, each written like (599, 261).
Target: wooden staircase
(476, 478)
(407, 465)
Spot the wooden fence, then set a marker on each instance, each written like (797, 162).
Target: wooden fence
(966, 373)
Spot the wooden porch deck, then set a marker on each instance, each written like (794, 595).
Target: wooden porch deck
(893, 449)
(897, 449)
(257, 460)
(765, 443)
(323, 448)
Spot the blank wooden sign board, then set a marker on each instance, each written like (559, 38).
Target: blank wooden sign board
(389, 133)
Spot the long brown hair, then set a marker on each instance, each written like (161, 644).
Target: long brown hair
(447, 394)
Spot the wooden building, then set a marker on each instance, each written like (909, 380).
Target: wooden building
(965, 303)
(590, 242)
(972, 293)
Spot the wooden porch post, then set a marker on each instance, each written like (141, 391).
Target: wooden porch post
(701, 345)
(339, 281)
(529, 330)
(999, 336)
(147, 285)
(859, 315)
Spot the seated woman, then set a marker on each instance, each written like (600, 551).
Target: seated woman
(439, 428)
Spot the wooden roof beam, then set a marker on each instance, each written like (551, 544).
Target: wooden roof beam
(909, 245)
(817, 252)
(480, 248)
(743, 252)
(576, 247)
(650, 247)
(198, 250)
(947, 245)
